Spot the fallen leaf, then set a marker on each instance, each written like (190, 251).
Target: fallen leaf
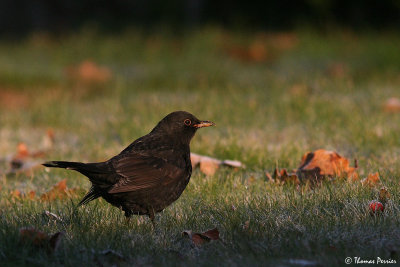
(40, 239)
(262, 47)
(11, 99)
(257, 51)
(51, 215)
(195, 159)
(392, 105)
(282, 177)
(109, 258)
(269, 176)
(323, 163)
(59, 191)
(48, 139)
(209, 165)
(24, 160)
(371, 180)
(31, 195)
(17, 194)
(337, 70)
(89, 72)
(199, 239)
(22, 151)
(384, 195)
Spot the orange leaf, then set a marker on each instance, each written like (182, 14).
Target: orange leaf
(22, 151)
(282, 177)
(323, 163)
(59, 191)
(89, 72)
(208, 167)
(371, 180)
(392, 105)
(16, 194)
(199, 239)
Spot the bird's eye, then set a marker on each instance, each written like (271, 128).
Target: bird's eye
(187, 122)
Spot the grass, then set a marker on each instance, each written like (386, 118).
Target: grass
(324, 92)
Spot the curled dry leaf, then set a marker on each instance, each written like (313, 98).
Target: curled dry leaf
(392, 105)
(371, 180)
(199, 239)
(282, 177)
(52, 216)
(40, 239)
(59, 191)
(209, 165)
(323, 163)
(384, 195)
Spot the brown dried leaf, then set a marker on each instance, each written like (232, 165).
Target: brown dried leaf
(11, 99)
(337, 70)
(22, 151)
(199, 239)
(392, 105)
(208, 167)
(371, 180)
(323, 163)
(262, 48)
(40, 239)
(59, 191)
(195, 159)
(384, 195)
(269, 176)
(257, 51)
(17, 194)
(282, 177)
(89, 72)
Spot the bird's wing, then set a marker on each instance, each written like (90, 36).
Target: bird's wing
(141, 172)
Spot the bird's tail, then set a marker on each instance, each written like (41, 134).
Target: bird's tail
(65, 164)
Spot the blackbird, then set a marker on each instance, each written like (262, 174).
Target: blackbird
(150, 173)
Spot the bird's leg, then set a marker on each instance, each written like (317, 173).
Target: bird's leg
(152, 218)
(127, 220)
(128, 217)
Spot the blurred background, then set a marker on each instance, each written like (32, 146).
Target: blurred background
(281, 77)
(20, 17)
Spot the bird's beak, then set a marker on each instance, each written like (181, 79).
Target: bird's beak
(204, 124)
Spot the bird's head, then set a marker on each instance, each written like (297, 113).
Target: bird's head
(180, 125)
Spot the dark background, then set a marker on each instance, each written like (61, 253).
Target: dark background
(23, 16)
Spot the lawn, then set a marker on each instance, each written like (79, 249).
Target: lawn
(272, 96)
